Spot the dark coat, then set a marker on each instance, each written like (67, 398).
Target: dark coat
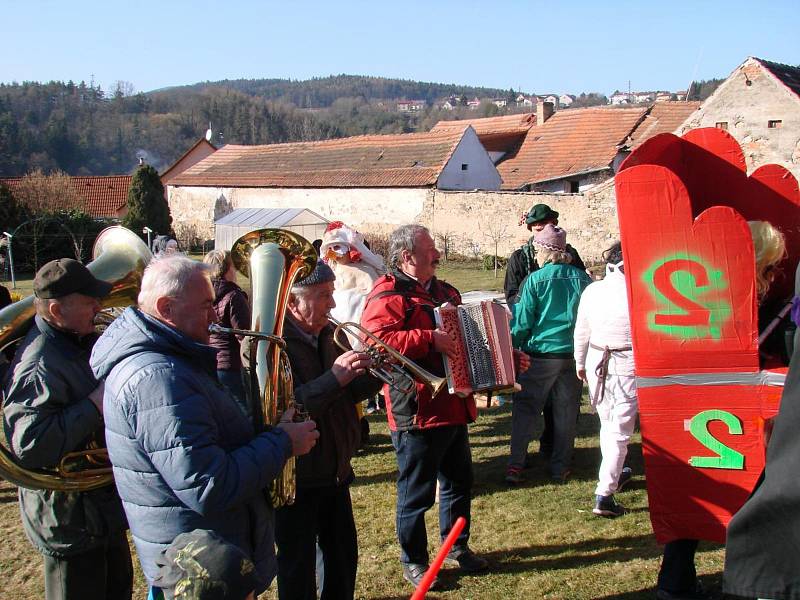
(400, 312)
(330, 406)
(233, 310)
(518, 269)
(184, 455)
(762, 553)
(47, 413)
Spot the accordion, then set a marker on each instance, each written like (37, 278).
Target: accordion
(485, 356)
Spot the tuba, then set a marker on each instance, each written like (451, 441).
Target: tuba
(119, 258)
(273, 259)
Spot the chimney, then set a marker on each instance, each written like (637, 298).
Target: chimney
(544, 110)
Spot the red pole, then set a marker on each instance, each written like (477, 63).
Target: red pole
(432, 571)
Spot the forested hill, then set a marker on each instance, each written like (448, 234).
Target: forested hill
(83, 130)
(322, 92)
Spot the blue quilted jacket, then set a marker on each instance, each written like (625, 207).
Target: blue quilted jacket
(184, 456)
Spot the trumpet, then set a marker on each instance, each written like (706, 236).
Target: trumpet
(388, 365)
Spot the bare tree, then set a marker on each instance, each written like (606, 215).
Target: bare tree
(446, 238)
(497, 231)
(43, 195)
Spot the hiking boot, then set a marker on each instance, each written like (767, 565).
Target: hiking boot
(466, 560)
(606, 506)
(413, 574)
(624, 478)
(514, 476)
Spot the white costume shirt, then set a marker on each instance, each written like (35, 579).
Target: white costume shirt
(604, 320)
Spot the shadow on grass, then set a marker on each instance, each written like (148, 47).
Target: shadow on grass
(712, 584)
(584, 553)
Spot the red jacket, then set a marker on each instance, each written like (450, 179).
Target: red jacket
(400, 312)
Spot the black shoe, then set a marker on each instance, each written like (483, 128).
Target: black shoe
(413, 574)
(514, 476)
(697, 594)
(606, 506)
(561, 479)
(624, 478)
(466, 560)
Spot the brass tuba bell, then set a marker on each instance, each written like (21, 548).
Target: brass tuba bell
(119, 258)
(273, 259)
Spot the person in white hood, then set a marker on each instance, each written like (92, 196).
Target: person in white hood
(604, 360)
(356, 268)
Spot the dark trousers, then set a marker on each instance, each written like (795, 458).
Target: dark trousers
(423, 456)
(100, 574)
(677, 573)
(324, 516)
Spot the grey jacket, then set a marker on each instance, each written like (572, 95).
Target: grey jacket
(47, 413)
(184, 456)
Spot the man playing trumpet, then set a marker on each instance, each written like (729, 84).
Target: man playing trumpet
(329, 382)
(54, 405)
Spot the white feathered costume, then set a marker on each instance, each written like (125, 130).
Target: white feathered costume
(356, 268)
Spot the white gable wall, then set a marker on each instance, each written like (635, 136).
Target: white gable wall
(194, 209)
(480, 173)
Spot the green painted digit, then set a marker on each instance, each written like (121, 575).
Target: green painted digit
(727, 458)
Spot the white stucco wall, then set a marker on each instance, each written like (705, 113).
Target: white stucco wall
(481, 174)
(747, 109)
(194, 209)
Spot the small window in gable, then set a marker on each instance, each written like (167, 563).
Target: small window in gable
(722, 125)
(571, 187)
(464, 166)
(776, 124)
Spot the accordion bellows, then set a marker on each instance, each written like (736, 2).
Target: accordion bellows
(485, 356)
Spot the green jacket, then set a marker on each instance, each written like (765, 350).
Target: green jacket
(47, 413)
(544, 314)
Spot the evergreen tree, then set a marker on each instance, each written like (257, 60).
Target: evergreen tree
(12, 213)
(147, 206)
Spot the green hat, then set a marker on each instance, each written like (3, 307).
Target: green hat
(66, 276)
(200, 565)
(540, 212)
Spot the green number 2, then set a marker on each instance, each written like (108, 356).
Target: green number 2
(727, 458)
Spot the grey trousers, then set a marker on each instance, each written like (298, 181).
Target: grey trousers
(556, 378)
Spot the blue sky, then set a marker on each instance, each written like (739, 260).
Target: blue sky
(535, 46)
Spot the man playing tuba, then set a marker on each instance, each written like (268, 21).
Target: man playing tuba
(53, 405)
(184, 455)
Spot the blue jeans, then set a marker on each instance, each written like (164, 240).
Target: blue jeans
(234, 382)
(423, 456)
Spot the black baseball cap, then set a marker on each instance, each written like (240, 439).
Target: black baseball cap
(65, 276)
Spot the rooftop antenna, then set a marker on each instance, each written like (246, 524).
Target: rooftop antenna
(209, 133)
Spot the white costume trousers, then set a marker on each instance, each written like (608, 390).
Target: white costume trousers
(617, 411)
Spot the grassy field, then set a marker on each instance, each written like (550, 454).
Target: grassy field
(541, 539)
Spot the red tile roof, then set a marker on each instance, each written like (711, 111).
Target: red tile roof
(199, 150)
(572, 141)
(664, 117)
(103, 197)
(406, 160)
(499, 134)
(511, 124)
